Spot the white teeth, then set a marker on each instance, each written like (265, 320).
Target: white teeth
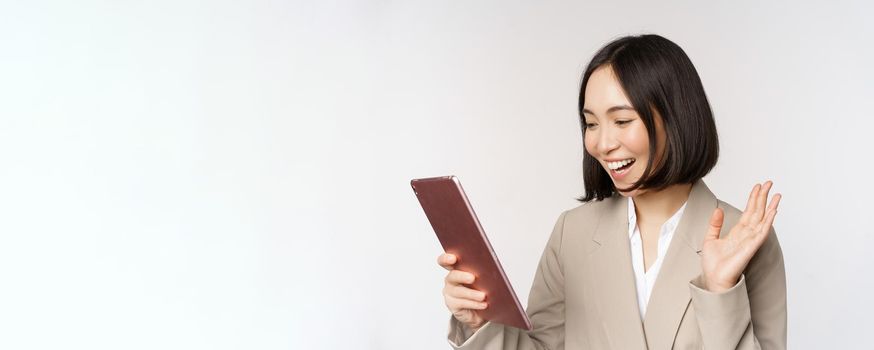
(619, 164)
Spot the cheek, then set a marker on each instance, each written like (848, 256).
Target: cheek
(590, 142)
(637, 140)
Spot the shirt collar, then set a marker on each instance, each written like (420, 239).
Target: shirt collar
(668, 226)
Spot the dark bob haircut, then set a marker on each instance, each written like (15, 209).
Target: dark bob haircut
(657, 76)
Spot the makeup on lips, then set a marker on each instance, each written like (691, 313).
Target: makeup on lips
(619, 169)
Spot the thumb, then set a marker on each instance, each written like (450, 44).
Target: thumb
(715, 224)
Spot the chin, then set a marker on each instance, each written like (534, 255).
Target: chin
(627, 194)
(632, 194)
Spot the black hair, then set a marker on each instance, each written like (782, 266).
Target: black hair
(657, 76)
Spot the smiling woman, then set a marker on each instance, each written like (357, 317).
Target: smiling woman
(644, 262)
(673, 123)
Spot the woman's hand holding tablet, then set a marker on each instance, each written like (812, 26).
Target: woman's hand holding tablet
(475, 274)
(462, 301)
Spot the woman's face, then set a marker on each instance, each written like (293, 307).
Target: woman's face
(615, 134)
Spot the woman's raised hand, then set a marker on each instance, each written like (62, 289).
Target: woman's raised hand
(724, 259)
(462, 301)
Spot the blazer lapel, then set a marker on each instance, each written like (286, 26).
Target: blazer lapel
(670, 297)
(613, 277)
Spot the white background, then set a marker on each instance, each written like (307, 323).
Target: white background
(235, 175)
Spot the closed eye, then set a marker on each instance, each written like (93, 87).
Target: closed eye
(618, 122)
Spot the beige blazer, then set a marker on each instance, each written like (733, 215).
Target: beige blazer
(584, 297)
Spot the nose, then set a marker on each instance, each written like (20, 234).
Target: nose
(606, 142)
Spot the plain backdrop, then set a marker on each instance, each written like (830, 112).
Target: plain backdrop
(235, 174)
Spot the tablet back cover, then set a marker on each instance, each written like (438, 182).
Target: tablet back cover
(461, 234)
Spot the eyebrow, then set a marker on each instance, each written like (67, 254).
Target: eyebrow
(611, 109)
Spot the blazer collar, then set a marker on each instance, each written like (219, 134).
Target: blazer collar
(614, 277)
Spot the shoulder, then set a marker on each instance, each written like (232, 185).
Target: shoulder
(584, 219)
(590, 210)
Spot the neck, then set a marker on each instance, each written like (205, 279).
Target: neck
(659, 206)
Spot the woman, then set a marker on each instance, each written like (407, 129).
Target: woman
(644, 262)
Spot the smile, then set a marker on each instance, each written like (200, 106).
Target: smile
(620, 168)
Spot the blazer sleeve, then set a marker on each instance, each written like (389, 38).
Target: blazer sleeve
(545, 309)
(752, 314)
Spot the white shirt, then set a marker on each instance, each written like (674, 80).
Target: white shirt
(646, 280)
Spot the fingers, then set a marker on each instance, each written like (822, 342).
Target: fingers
(459, 277)
(775, 201)
(765, 226)
(758, 212)
(461, 300)
(446, 260)
(459, 297)
(456, 304)
(716, 220)
(761, 200)
(751, 205)
(462, 292)
(755, 209)
(759, 233)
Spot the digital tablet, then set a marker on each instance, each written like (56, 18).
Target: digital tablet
(459, 231)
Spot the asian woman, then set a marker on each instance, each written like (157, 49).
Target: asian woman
(651, 258)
